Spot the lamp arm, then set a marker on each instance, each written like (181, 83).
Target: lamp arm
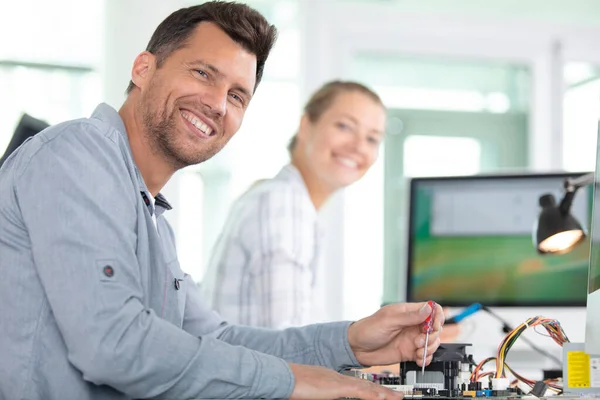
(571, 186)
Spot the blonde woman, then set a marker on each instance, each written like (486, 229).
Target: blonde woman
(262, 270)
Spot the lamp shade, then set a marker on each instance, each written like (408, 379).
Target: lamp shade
(556, 231)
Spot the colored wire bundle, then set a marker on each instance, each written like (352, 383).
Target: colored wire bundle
(552, 326)
(550, 382)
(507, 328)
(555, 332)
(476, 375)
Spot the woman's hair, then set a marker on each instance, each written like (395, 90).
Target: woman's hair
(323, 98)
(241, 23)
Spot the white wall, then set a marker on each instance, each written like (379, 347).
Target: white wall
(128, 28)
(58, 31)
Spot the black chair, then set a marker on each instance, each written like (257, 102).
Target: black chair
(26, 128)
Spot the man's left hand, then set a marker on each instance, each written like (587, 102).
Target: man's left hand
(395, 334)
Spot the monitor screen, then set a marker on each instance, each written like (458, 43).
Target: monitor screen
(470, 241)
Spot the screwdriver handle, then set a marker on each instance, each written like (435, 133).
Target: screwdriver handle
(428, 324)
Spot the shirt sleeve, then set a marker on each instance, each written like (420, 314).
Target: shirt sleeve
(317, 344)
(281, 243)
(323, 344)
(78, 205)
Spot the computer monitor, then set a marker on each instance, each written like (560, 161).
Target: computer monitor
(592, 323)
(470, 241)
(27, 127)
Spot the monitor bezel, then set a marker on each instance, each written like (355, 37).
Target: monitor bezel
(592, 312)
(414, 182)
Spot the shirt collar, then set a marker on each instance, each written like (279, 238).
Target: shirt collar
(290, 173)
(110, 116)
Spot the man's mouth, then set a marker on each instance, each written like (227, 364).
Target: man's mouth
(203, 129)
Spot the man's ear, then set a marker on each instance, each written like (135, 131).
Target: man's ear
(143, 69)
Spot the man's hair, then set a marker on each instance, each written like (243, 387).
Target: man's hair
(323, 98)
(242, 24)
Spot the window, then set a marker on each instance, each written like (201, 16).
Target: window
(428, 83)
(47, 92)
(435, 156)
(45, 69)
(449, 100)
(580, 116)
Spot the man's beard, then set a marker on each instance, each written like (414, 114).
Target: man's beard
(161, 133)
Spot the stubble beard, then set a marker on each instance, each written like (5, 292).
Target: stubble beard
(161, 133)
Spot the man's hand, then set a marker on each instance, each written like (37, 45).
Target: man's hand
(313, 382)
(395, 334)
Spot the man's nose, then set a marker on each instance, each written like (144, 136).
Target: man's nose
(216, 100)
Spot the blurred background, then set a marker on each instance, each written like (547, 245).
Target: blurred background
(472, 87)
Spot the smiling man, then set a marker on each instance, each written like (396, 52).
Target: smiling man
(93, 304)
(185, 105)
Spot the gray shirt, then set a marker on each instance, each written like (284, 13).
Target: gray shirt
(93, 303)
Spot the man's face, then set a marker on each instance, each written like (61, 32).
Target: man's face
(344, 142)
(195, 102)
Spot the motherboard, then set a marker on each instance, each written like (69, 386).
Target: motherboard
(453, 374)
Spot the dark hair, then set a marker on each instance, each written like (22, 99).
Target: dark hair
(323, 98)
(241, 23)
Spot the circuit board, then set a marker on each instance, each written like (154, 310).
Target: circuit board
(453, 374)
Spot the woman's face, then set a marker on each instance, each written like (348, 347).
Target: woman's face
(344, 142)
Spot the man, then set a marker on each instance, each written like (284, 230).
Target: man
(93, 304)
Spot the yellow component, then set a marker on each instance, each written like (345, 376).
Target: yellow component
(578, 369)
(469, 393)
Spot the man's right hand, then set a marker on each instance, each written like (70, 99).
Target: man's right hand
(322, 383)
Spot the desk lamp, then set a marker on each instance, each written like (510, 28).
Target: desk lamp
(557, 231)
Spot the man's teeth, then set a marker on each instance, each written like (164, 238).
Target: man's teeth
(197, 123)
(348, 162)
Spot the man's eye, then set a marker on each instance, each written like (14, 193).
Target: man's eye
(237, 98)
(201, 72)
(373, 140)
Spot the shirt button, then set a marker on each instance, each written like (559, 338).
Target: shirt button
(108, 271)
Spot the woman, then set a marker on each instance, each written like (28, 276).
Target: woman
(262, 270)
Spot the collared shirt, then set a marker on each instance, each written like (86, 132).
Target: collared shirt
(262, 270)
(93, 304)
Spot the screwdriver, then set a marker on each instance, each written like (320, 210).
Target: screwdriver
(427, 328)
